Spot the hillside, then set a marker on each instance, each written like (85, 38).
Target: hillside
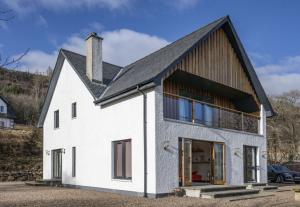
(20, 153)
(25, 92)
(21, 148)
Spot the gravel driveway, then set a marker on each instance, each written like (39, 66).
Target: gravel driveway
(18, 194)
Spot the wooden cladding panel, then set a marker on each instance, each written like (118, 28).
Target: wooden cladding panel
(216, 60)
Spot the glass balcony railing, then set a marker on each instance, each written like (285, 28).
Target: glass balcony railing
(190, 110)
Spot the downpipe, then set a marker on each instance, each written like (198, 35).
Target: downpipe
(145, 138)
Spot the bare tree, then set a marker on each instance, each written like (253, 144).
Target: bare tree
(284, 129)
(5, 16)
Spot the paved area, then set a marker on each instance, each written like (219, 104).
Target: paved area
(17, 194)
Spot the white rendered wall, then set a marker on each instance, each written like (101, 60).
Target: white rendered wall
(8, 123)
(167, 160)
(92, 133)
(2, 103)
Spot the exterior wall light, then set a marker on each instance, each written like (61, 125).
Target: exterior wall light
(264, 154)
(166, 145)
(48, 152)
(237, 152)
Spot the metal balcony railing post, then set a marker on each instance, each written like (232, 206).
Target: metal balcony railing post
(242, 121)
(227, 118)
(193, 111)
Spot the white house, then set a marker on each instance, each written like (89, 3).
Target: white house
(192, 112)
(7, 115)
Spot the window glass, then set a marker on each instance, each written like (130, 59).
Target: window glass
(74, 110)
(119, 160)
(128, 159)
(122, 159)
(56, 119)
(73, 161)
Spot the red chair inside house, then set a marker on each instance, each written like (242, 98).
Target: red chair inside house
(196, 177)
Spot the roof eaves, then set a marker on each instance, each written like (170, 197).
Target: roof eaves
(51, 88)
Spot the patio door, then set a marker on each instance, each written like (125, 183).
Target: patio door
(186, 162)
(56, 164)
(218, 163)
(250, 164)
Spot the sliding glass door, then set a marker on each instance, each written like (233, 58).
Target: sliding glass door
(250, 164)
(186, 162)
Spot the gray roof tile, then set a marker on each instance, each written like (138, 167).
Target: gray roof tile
(150, 67)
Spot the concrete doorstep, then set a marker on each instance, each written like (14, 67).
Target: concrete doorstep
(214, 191)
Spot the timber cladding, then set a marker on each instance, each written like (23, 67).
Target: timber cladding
(216, 60)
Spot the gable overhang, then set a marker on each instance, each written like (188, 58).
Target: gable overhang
(226, 24)
(53, 82)
(156, 80)
(243, 101)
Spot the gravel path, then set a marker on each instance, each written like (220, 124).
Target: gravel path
(17, 194)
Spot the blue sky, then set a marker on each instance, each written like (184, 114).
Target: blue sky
(131, 29)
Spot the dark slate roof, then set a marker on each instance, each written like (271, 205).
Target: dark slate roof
(79, 65)
(152, 65)
(10, 112)
(77, 62)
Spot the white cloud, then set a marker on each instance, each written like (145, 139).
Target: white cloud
(75, 44)
(26, 6)
(125, 46)
(183, 4)
(280, 77)
(278, 84)
(37, 61)
(120, 47)
(286, 65)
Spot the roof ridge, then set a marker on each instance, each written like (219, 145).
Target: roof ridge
(130, 65)
(85, 57)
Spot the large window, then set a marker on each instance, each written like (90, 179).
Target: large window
(73, 161)
(74, 110)
(122, 159)
(56, 119)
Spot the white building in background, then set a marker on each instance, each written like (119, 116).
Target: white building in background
(7, 115)
(192, 112)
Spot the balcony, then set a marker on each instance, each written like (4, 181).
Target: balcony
(194, 111)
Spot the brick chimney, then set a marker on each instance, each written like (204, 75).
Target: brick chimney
(94, 68)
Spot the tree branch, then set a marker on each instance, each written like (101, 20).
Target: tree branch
(12, 61)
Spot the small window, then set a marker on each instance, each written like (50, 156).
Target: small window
(73, 161)
(56, 119)
(1, 109)
(122, 159)
(74, 110)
